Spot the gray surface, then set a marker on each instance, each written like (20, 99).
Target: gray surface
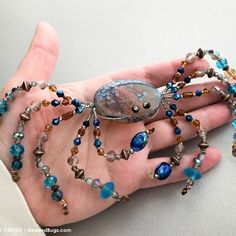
(98, 37)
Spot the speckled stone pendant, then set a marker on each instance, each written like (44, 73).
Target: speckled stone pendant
(127, 101)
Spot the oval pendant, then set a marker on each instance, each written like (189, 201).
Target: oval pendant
(127, 101)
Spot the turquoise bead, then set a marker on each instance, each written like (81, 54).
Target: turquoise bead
(17, 150)
(232, 89)
(139, 141)
(192, 173)
(107, 190)
(50, 181)
(3, 106)
(16, 165)
(222, 63)
(233, 123)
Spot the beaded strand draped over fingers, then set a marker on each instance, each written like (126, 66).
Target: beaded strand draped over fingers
(126, 96)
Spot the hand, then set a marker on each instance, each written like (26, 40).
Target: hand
(128, 176)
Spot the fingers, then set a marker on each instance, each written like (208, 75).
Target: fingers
(212, 158)
(210, 117)
(39, 61)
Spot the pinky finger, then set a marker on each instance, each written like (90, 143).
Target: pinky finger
(212, 158)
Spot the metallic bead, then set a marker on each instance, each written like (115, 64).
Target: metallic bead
(197, 162)
(125, 154)
(89, 181)
(124, 198)
(79, 174)
(111, 156)
(190, 182)
(184, 191)
(25, 116)
(190, 57)
(44, 170)
(203, 145)
(26, 86)
(73, 161)
(115, 195)
(96, 183)
(175, 160)
(179, 148)
(38, 151)
(10, 96)
(39, 164)
(18, 135)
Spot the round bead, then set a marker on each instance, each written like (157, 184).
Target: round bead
(192, 173)
(16, 165)
(96, 122)
(44, 169)
(17, 150)
(177, 131)
(107, 190)
(187, 79)
(55, 103)
(76, 102)
(111, 156)
(77, 141)
(197, 162)
(180, 70)
(89, 181)
(188, 118)
(60, 93)
(222, 63)
(50, 181)
(86, 123)
(232, 89)
(57, 195)
(169, 113)
(79, 110)
(163, 170)
(56, 121)
(139, 141)
(3, 106)
(173, 107)
(198, 93)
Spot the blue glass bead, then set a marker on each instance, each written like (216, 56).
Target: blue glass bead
(192, 173)
(10, 96)
(211, 51)
(232, 89)
(176, 96)
(169, 113)
(234, 112)
(198, 93)
(107, 190)
(56, 121)
(76, 102)
(174, 90)
(55, 103)
(3, 106)
(79, 110)
(139, 141)
(57, 195)
(188, 118)
(16, 165)
(169, 85)
(86, 123)
(97, 143)
(16, 150)
(77, 141)
(234, 137)
(163, 170)
(187, 79)
(222, 63)
(180, 70)
(173, 107)
(60, 93)
(96, 122)
(177, 131)
(233, 123)
(50, 181)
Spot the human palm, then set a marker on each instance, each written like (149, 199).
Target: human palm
(128, 176)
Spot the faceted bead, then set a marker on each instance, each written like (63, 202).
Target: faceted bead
(222, 63)
(139, 141)
(187, 79)
(18, 135)
(111, 156)
(180, 112)
(74, 150)
(52, 88)
(56, 121)
(196, 122)
(192, 173)
(233, 123)
(174, 89)
(44, 170)
(73, 161)
(86, 123)
(10, 96)
(197, 162)
(163, 170)
(26, 86)
(188, 94)
(67, 115)
(79, 110)
(65, 101)
(97, 132)
(173, 107)
(96, 122)
(169, 113)
(198, 93)
(81, 131)
(176, 96)
(55, 103)
(107, 190)
(232, 89)
(100, 151)
(76, 102)
(45, 103)
(48, 128)
(16, 165)
(77, 141)
(89, 181)
(188, 118)
(177, 131)
(50, 181)
(17, 150)
(57, 195)
(60, 93)
(180, 70)
(79, 174)
(97, 143)
(179, 148)
(174, 121)
(125, 154)
(169, 85)
(96, 183)
(3, 106)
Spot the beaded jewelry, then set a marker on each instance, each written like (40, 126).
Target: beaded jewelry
(124, 101)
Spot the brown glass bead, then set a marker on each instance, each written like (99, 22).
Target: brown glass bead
(25, 116)
(175, 78)
(66, 100)
(97, 132)
(15, 176)
(52, 88)
(124, 198)
(210, 72)
(174, 121)
(74, 150)
(45, 103)
(26, 86)
(188, 94)
(81, 131)
(196, 123)
(100, 151)
(48, 128)
(181, 85)
(125, 154)
(67, 115)
(184, 63)
(205, 90)
(179, 138)
(180, 112)
(79, 174)
(200, 53)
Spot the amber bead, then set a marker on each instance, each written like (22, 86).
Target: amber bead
(48, 128)
(184, 63)
(81, 131)
(67, 115)
(100, 151)
(66, 100)
(180, 112)
(175, 78)
(179, 138)
(174, 121)
(181, 85)
(15, 176)
(188, 94)
(97, 132)
(74, 150)
(205, 90)
(196, 123)
(45, 103)
(52, 88)
(124, 198)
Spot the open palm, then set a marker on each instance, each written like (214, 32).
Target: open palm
(128, 176)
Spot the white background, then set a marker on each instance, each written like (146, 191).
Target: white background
(98, 37)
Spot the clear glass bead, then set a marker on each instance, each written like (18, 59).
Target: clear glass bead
(35, 106)
(190, 57)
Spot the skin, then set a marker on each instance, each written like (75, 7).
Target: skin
(128, 176)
